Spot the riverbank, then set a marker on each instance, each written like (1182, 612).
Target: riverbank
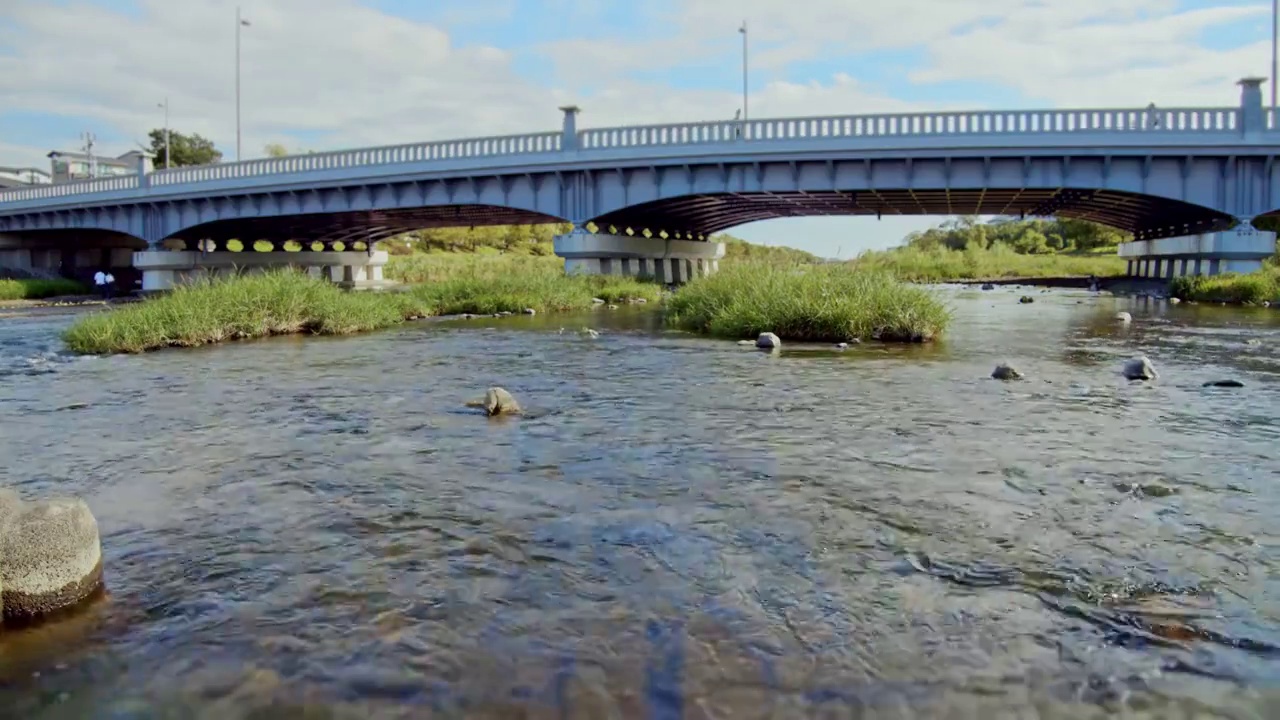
(1259, 288)
(282, 303)
(942, 265)
(820, 303)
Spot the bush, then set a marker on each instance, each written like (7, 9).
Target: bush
(816, 303)
(1253, 288)
(35, 289)
(974, 263)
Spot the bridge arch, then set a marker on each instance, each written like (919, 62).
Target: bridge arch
(75, 253)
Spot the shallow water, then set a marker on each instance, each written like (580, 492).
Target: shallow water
(678, 528)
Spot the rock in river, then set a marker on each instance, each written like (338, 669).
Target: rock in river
(498, 401)
(50, 556)
(768, 341)
(1139, 368)
(1124, 317)
(1004, 371)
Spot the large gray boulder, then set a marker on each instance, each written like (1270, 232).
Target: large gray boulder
(498, 401)
(768, 341)
(1139, 368)
(50, 556)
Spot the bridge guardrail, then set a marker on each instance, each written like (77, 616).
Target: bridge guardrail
(933, 124)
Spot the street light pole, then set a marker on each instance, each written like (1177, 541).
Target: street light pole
(240, 22)
(743, 30)
(165, 105)
(1275, 49)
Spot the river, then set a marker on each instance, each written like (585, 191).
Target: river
(677, 528)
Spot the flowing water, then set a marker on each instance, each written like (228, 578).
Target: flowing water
(677, 528)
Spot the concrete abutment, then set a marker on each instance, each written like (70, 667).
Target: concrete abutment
(665, 260)
(163, 269)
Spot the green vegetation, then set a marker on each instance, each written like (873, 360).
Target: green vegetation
(184, 149)
(737, 249)
(1026, 237)
(285, 302)
(507, 239)
(1252, 289)
(36, 289)
(807, 303)
(941, 264)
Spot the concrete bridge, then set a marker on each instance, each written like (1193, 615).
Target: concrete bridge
(644, 200)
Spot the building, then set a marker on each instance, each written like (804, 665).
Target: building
(23, 176)
(73, 166)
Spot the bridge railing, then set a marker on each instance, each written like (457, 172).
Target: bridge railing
(1180, 120)
(80, 187)
(416, 152)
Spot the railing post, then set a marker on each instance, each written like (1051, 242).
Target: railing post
(144, 167)
(1252, 121)
(569, 138)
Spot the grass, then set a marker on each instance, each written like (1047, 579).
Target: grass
(1251, 289)
(942, 264)
(285, 302)
(36, 289)
(816, 303)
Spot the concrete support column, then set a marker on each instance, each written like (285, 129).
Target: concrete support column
(668, 261)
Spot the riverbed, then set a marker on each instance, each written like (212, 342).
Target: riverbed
(677, 528)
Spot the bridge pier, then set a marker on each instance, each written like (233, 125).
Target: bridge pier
(1240, 250)
(163, 269)
(665, 260)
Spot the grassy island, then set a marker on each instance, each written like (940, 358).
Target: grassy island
(941, 264)
(38, 289)
(284, 302)
(1251, 289)
(814, 303)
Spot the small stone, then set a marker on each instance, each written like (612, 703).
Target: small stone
(1253, 341)
(842, 346)
(988, 286)
(1224, 384)
(530, 311)
(1174, 301)
(597, 301)
(747, 343)
(590, 333)
(612, 306)
(1124, 317)
(1004, 371)
(641, 301)
(1026, 299)
(768, 341)
(1139, 368)
(52, 555)
(498, 401)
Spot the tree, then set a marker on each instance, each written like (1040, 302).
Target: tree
(184, 149)
(275, 150)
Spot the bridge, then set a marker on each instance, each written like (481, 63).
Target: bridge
(1187, 182)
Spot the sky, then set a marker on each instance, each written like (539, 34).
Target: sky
(329, 74)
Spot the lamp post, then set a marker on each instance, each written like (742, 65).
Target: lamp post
(165, 105)
(743, 30)
(240, 22)
(1275, 49)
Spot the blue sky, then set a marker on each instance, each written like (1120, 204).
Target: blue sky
(322, 74)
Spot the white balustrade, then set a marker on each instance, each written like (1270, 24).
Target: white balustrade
(896, 125)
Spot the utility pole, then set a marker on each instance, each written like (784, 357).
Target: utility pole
(743, 30)
(1275, 51)
(165, 105)
(240, 22)
(89, 139)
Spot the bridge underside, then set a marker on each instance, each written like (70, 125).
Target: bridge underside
(361, 225)
(1143, 215)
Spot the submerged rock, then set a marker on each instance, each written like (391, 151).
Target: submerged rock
(1025, 299)
(530, 311)
(768, 341)
(1124, 317)
(497, 401)
(1139, 368)
(988, 286)
(50, 555)
(597, 301)
(1004, 371)
(1224, 383)
(747, 343)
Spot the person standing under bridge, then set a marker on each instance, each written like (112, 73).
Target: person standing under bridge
(102, 283)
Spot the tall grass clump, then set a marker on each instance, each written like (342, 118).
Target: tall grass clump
(815, 303)
(251, 306)
(975, 263)
(1251, 289)
(38, 288)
